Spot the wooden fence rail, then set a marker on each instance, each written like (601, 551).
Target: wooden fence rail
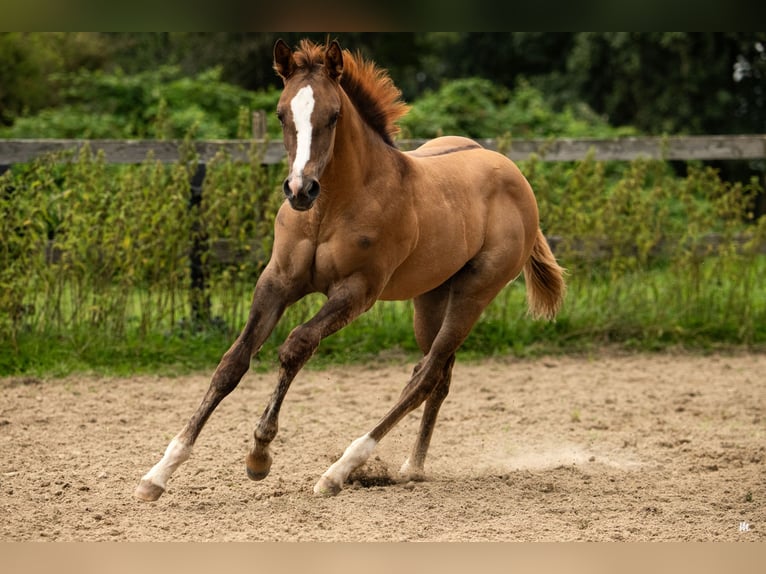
(724, 147)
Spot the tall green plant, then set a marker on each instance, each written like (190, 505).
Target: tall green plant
(23, 233)
(96, 104)
(653, 256)
(94, 262)
(239, 204)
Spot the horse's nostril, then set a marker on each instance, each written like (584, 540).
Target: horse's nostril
(312, 190)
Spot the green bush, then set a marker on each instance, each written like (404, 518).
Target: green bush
(27, 59)
(478, 108)
(239, 205)
(161, 103)
(655, 258)
(94, 264)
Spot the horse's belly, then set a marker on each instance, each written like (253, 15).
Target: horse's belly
(423, 272)
(403, 288)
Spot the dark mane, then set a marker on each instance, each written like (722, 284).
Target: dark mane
(369, 87)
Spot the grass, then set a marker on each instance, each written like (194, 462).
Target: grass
(724, 305)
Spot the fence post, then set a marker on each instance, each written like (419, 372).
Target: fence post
(199, 298)
(259, 124)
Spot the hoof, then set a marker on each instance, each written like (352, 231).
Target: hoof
(327, 487)
(253, 475)
(410, 472)
(148, 491)
(258, 467)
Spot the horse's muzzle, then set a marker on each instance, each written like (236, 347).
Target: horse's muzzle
(304, 197)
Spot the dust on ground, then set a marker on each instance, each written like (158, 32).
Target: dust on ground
(611, 447)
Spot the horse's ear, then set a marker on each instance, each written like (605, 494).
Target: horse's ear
(333, 60)
(284, 63)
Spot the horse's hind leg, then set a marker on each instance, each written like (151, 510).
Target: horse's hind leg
(414, 466)
(267, 307)
(424, 381)
(429, 316)
(470, 292)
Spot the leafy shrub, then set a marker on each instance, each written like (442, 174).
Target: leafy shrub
(239, 205)
(94, 262)
(655, 258)
(478, 108)
(27, 59)
(161, 103)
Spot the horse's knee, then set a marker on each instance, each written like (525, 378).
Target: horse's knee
(442, 388)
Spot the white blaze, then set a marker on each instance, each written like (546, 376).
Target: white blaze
(302, 105)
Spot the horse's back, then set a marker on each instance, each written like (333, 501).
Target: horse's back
(479, 173)
(443, 146)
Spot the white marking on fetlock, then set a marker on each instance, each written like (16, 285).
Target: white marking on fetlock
(410, 471)
(302, 105)
(176, 454)
(355, 455)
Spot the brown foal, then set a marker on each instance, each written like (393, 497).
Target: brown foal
(447, 225)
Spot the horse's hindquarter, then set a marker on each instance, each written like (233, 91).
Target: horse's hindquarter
(468, 201)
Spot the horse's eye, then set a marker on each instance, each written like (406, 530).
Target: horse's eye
(281, 118)
(333, 119)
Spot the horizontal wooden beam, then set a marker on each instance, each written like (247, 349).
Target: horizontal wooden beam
(725, 147)
(136, 151)
(721, 147)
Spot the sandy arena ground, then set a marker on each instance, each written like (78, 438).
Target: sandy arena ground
(608, 448)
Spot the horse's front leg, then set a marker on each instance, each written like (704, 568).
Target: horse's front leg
(270, 299)
(343, 305)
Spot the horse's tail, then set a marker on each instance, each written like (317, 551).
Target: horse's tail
(545, 280)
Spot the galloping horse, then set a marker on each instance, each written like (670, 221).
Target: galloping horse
(448, 225)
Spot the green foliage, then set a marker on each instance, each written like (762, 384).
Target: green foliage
(161, 103)
(96, 255)
(94, 258)
(27, 59)
(108, 247)
(462, 107)
(239, 205)
(654, 258)
(94, 269)
(659, 82)
(267, 100)
(478, 108)
(673, 82)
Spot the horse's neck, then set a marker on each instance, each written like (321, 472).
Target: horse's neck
(359, 151)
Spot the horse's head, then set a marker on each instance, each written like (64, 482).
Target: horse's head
(308, 111)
